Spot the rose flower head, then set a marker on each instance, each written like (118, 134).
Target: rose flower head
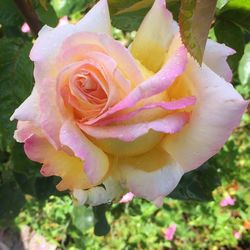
(110, 120)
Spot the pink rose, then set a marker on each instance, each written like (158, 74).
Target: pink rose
(134, 120)
(127, 197)
(25, 28)
(169, 232)
(227, 201)
(237, 235)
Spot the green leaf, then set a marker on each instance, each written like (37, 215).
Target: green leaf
(16, 78)
(26, 183)
(230, 34)
(11, 200)
(46, 186)
(102, 227)
(195, 20)
(47, 16)
(244, 66)
(128, 15)
(197, 185)
(129, 21)
(221, 3)
(21, 162)
(237, 12)
(69, 7)
(82, 218)
(9, 13)
(117, 6)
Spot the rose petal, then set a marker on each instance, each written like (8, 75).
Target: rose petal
(50, 40)
(111, 47)
(99, 195)
(97, 19)
(25, 129)
(58, 163)
(127, 197)
(50, 116)
(217, 112)
(215, 57)
(169, 124)
(29, 109)
(172, 105)
(151, 175)
(152, 86)
(96, 163)
(154, 36)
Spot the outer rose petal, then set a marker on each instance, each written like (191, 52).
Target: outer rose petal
(154, 36)
(215, 57)
(29, 109)
(151, 176)
(50, 40)
(58, 163)
(25, 129)
(50, 116)
(217, 112)
(99, 195)
(96, 163)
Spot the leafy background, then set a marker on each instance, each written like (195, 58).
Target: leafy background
(26, 198)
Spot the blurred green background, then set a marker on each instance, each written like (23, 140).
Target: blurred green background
(210, 207)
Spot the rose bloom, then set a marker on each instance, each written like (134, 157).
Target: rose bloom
(110, 120)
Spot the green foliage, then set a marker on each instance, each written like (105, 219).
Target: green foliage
(101, 224)
(195, 20)
(12, 200)
(69, 7)
(47, 16)
(238, 12)
(127, 16)
(244, 66)
(82, 218)
(16, 82)
(230, 34)
(129, 21)
(197, 185)
(9, 14)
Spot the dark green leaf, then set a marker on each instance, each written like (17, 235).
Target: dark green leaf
(129, 21)
(174, 7)
(244, 66)
(26, 183)
(237, 12)
(9, 14)
(47, 16)
(197, 185)
(16, 78)
(117, 6)
(195, 20)
(21, 163)
(46, 186)
(82, 218)
(11, 200)
(230, 34)
(101, 224)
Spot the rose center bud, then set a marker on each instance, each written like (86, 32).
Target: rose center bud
(84, 91)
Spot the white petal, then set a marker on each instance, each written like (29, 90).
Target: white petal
(217, 112)
(215, 57)
(99, 195)
(138, 174)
